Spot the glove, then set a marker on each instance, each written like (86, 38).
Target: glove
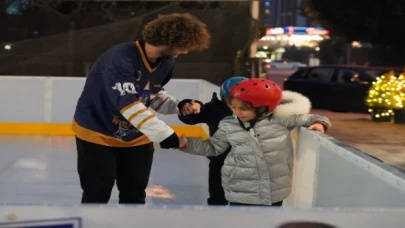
(185, 101)
(170, 142)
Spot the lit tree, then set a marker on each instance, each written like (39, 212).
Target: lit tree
(386, 94)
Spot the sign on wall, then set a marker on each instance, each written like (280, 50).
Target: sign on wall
(297, 30)
(49, 223)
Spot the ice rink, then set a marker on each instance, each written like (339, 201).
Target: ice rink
(42, 169)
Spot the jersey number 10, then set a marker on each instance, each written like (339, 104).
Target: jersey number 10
(124, 88)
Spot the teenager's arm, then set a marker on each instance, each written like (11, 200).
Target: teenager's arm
(121, 91)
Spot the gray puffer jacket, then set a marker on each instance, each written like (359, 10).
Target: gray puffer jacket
(258, 169)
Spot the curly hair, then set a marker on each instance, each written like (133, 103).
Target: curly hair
(177, 30)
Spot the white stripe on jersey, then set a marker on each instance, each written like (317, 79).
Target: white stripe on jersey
(144, 120)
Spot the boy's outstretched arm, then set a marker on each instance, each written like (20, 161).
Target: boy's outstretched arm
(193, 119)
(214, 146)
(206, 111)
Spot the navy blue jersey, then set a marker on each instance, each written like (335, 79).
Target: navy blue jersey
(113, 107)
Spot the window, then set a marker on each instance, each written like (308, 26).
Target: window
(291, 4)
(300, 74)
(282, 21)
(291, 19)
(352, 76)
(321, 74)
(375, 73)
(283, 6)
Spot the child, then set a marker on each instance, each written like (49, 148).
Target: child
(257, 171)
(211, 113)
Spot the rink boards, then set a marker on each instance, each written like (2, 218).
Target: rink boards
(198, 217)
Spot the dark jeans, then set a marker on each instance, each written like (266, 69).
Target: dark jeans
(217, 195)
(278, 204)
(99, 166)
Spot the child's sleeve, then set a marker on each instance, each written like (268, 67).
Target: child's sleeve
(214, 146)
(305, 120)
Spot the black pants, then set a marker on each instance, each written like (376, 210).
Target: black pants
(217, 194)
(278, 204)
(99, 166)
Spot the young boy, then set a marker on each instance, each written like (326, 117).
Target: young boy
(212, 113)
(258, 169)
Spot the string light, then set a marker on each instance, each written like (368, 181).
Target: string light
(378, 113)
(386, 93)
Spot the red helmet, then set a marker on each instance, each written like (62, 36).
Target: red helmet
(258, 92)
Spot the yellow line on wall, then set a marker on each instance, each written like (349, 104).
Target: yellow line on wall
(66, 129)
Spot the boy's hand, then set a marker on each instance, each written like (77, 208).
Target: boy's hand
(183, 141)
(191, 108)
(317, 127)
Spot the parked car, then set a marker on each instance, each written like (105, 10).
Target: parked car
(335, 88)
(283, 64)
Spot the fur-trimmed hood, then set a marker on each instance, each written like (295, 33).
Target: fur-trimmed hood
(292, 103)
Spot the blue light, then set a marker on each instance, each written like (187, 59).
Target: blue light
(17, 7)
(13, 9)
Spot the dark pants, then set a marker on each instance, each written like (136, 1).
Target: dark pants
(99, 166)
(278, 204)
(217, 195)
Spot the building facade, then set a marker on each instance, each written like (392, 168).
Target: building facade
(280, 13)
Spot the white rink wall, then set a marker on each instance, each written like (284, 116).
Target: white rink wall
(328, 173)
(53, 99)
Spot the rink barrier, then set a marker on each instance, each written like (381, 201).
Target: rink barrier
(328, 173)
(45, 105)
(78, 216)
